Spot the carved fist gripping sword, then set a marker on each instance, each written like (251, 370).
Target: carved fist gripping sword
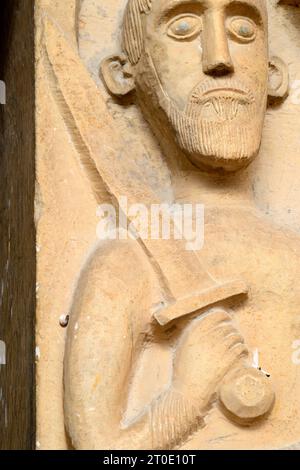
(186, 285)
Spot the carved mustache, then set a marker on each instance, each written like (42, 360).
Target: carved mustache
(227, 88)
(223, 98)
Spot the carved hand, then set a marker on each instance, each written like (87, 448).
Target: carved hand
(207, 350)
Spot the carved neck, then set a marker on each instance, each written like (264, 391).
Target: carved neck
(194, 186)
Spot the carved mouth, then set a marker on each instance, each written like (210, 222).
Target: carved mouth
(236, 87)
(221, 104)
(233, 93)
(225, 102)
(231, 89)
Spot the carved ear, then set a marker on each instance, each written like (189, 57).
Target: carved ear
(117, 74)
(278, 80)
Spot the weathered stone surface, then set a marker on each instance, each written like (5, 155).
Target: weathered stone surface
(188, 106)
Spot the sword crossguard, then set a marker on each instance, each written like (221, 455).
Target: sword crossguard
(199, 300)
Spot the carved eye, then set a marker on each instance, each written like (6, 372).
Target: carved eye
(242, 29)
(184, 26)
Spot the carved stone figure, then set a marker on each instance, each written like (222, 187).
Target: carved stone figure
(160, 343)
(214, 114)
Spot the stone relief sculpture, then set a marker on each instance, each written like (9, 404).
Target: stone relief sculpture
(159, 347)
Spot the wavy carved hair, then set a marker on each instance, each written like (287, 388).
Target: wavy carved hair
(133, 29)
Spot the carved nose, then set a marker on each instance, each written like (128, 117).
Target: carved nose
(216, 59)
(218, 68)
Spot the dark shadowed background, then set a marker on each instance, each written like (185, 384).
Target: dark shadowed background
(17, 234)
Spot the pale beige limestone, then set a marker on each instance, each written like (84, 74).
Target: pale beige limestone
(251, 239)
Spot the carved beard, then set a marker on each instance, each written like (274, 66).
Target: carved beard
(220, 128)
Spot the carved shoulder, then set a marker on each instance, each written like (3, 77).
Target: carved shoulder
(121, 260)
(115, 289)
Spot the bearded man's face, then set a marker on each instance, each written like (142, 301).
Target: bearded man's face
(204, 65)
